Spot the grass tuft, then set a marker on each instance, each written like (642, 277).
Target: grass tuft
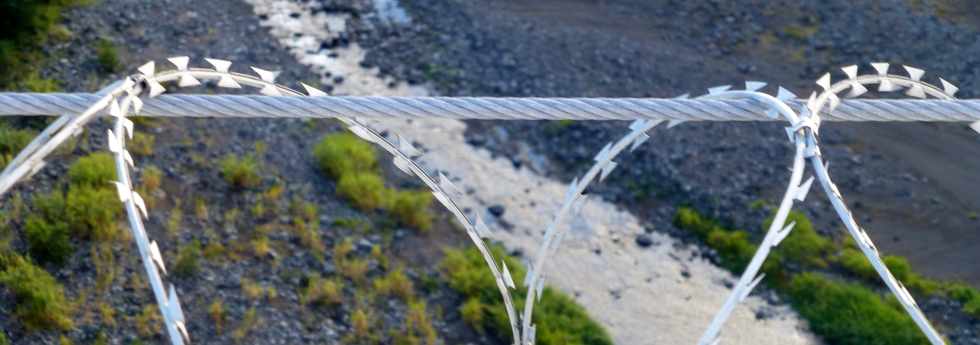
(188, 258)
(242, 173)
(395, 283)
(322, 292)
(108, 56)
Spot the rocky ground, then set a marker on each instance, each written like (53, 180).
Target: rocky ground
(196, 204)
(542, 48)
(668, 48)
(915, 197)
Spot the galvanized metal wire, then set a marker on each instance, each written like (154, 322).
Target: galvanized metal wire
(493, 108)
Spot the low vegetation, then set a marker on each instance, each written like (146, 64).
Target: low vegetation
(41, 302)
(558, 318)
(142, 144)
(218, 315)
(188, 260)
(344, 154)
(365, 190)
(322, 292)
(148, 321)
(306, 226)
(151, 179)
(851, 314)
(27, 26)
(12, 140)
(88, 210)
(839, 311)
(968, 296)
(247, 324)
(46, 231)
(240, 172)
(108, 56)
(417, 328)
(94, 170)
(353, 163)
(397, 284)
(93, 211)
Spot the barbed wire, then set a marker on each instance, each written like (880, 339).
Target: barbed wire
(141, 94)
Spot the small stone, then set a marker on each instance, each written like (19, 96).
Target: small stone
(496, 210)
(644, 240)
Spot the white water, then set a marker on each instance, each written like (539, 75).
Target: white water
(638, 294)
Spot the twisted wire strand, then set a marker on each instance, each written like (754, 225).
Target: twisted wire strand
(487, 108)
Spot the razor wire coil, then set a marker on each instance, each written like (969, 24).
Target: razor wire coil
(141, 94)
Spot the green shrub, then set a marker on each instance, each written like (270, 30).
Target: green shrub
(95, 170)
(850, 314)
(411, 208)
(92, 212)
(33, 81)
(962, 292)
(240, 172)
(47, 241)
(804, 246)
(473, 313)
(967, 295)
(352, 162)
(47, 230)
(12, 140)
(733, 247)
(688, 219)
(854, 262)
(187, 260)
(3, 339)
(108, 56)
(364, 190)
(972, 307)
(41, 302)
(343, 154)
(558, 318)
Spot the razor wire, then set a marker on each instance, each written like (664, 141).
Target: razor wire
(141, 94)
